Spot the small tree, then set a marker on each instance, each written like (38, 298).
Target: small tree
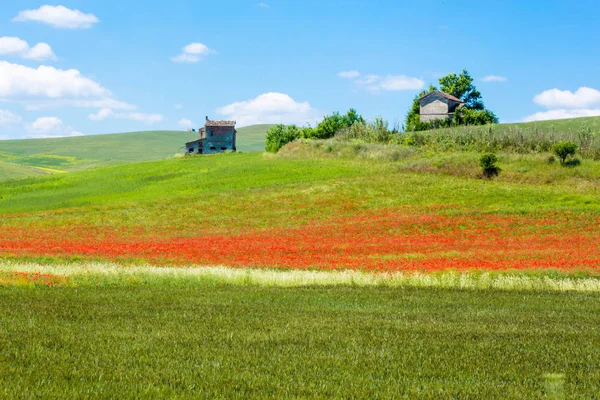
(564, 149)
(280, 135)
(488, 163)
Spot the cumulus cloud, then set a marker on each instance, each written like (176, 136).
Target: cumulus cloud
(105, 113)
(584, 97)
(185, 123)
(192, 53)
(8, 118)
(494, 78)
(563, 104)
(14, 46)
(58, 17)
(388, 83)
(49, 127)
(18, 81)
(270, 108)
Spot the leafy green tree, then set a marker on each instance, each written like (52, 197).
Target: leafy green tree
(280, 135)
(333, 123)
(461, 86)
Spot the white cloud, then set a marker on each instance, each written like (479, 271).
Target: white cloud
(49, 127)
(400, 82)
(494, 78)
(8, 118)
(262, 5)
(349, 74)
(584, 97)
(389, 83)
(17, 47)
(178, 106)
(563, 104)
(562, 114)
(193, 53)
(18, 80)
(58, 17)
(105, 113)
(185, 123)
(270, 108)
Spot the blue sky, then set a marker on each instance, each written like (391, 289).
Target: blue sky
(103, 66)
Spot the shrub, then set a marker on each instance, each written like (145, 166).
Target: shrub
(488, 163)
(565, 149)
(333, 123)
(280, 135)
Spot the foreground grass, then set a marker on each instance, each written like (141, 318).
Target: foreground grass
(229, 341)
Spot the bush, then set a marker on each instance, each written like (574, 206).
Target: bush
(333, 123)
(565, 149)
(488, 163)
(280, 135)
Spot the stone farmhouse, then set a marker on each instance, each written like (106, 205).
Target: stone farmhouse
(438, 105)
(215, 137)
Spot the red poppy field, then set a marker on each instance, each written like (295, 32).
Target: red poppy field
(397, 239)
(298, 214)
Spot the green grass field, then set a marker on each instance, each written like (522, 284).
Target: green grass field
(22, 158)
(155, 341)
(80, 319)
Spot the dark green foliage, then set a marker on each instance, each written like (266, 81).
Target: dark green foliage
(461, 86)
(333, 123)
(182, 341)
(564, 150)
(488, 164)
(280, 135)
(468, 116)
(472, 113)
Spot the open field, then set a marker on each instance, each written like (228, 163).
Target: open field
(346, 270)
(176, 336)
(311, 208)
(22, 158)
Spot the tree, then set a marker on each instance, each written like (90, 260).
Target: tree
(461, 86)
(280, 135)
(333, 123)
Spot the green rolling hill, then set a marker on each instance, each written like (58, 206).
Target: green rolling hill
(28, 157)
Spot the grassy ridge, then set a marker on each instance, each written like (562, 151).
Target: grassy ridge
(76, 153)
(246, 342)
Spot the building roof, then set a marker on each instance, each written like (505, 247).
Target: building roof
(445, 95)
(219, 123)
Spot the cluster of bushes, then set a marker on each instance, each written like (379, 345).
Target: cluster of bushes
(279, 135)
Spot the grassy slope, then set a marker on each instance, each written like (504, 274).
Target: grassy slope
(182, 188)
(76, 153)
(235, 342)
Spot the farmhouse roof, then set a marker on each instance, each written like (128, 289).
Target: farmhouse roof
(445, 95)
(219, 123)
